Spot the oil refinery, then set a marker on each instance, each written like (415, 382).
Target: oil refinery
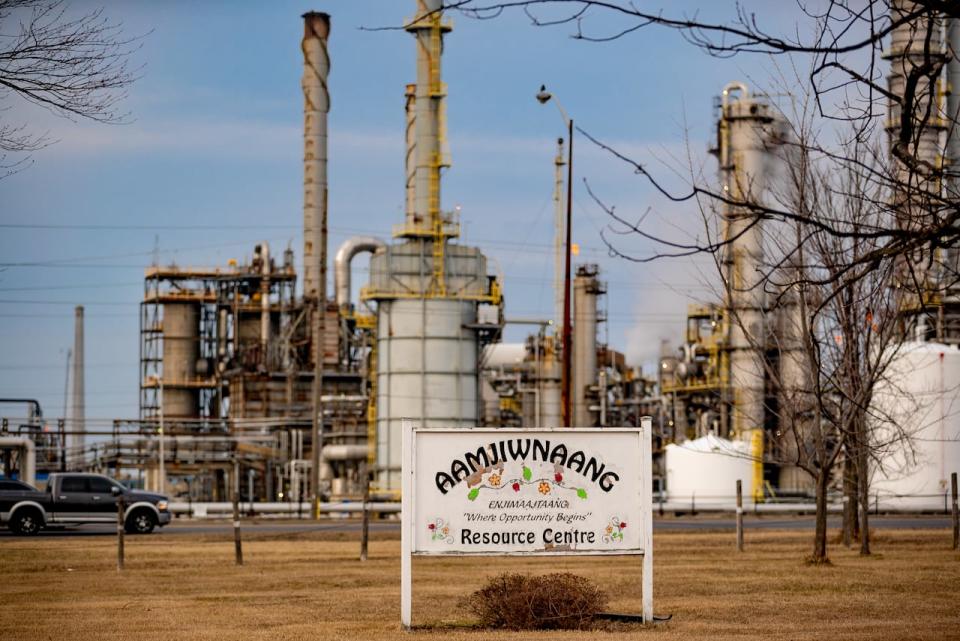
(255, 378)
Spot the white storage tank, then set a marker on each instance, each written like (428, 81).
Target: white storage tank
(705, 471)
(922, 396)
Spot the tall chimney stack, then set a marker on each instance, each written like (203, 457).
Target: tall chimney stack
(316, 105)
(77, 425)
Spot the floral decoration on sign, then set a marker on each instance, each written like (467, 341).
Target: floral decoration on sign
(614, 530)
(496, 480)
(440, 531)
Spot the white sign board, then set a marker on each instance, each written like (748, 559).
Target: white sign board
(560, 491)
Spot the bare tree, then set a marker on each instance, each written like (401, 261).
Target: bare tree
(848, 82)
(868, 226)
(75, 65)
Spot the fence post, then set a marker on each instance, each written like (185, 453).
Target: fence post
(237, 545)
(61, 429)
(365, 527)
(300, 501)
(120, 532)
(847, 521)
(739, 515)
(956, 512)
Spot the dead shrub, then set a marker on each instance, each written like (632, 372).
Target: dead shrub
(559, 601)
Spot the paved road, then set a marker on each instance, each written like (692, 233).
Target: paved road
(293, 526)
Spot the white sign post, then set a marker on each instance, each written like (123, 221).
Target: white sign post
(559, 491)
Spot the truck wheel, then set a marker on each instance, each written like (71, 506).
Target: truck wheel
(26, 522)
(141, 522)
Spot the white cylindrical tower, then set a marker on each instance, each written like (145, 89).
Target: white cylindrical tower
(181, 350)
(428, 290)
(916, 134)
(549, 384)
(748, 131)
(586, 288)
(559, 236)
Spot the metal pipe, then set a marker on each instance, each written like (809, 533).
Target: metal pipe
(345, 452)
(162, 481)
(527, 320)
(410, 163)
(341, 264)
(28, 456)
(264, 302)
(38, 412)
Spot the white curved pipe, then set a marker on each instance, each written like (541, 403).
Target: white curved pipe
(341, 263)
(739, 87)
(345, 452)
(28, 456)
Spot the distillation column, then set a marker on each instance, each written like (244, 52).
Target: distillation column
(748, 129)
(953, 155)
(586, 288)
(427, 289)
(917, 51)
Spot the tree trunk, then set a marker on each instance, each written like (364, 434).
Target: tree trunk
(851, 514)
(820, 532)
(863, 483)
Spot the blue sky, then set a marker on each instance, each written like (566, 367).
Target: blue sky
(215, 142)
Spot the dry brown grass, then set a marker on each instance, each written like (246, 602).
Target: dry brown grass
(313, 587)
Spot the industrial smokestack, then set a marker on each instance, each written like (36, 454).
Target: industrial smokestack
(428, 109)
(316, 105)
(77, 440)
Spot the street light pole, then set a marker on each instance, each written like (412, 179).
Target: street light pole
(543, 96)
(565, 383)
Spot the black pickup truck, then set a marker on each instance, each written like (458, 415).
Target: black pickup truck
(72, 499)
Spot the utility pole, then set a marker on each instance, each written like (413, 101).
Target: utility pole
(543, 97)
(567, 347)
(558, 235)
(162, 471)
(66, 384)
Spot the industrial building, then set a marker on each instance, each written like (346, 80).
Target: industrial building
(234, 358)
